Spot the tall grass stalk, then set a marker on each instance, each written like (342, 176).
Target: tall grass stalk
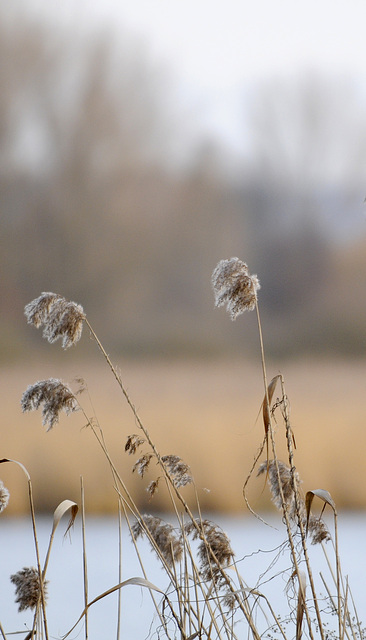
(270, 434)
(85, 562)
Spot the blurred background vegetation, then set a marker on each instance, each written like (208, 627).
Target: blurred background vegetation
(112, 195)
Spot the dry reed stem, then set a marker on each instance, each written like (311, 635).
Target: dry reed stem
(35, 537)
(134, 509)
(165, 471)
(290, 440)
(119, 606)
(2, 632)
(42, 599)
(189, 554)
(123, 506)
(283, 503)
(85, 564)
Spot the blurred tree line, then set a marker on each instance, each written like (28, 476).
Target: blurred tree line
(108, 198)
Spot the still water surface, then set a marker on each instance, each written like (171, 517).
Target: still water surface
(65, 573)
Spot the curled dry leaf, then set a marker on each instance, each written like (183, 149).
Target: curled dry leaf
(324, 496)
(19, 465)
(59, 512)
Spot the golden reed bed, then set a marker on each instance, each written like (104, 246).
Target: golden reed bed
(205, 411)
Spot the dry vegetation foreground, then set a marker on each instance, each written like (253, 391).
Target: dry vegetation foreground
(205, 412)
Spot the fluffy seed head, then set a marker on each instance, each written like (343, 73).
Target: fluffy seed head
(211, 535)
(4, 496)
(59, 317)
(54, 395)
(27, 588)
(234, 286)
(317, 530)
(164, 536)
(316, 527)
(178, 470)
(142, 464)
(281, 478)
(38, 310)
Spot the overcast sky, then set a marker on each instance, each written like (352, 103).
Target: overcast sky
(218, 49)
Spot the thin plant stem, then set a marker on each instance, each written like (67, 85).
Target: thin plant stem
(338, 573)
(123, 505)
(85, 564)
(40, 573)
(119, 606)
(167, 474)
(356, 616)
(289, 438)
(284, 508)
(334, 606)
(2, 632)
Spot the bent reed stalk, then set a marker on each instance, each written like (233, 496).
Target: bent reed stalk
(206, 595)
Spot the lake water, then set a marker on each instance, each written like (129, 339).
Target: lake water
(65, 599)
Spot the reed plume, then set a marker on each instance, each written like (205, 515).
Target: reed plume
(133, 442)
(234, 286)
(211, 536)
(142, 464)
(178, 470)
(280, 475)
(60, 318)
(167, 542)
(54, 395)
(27, 588)
(4, 496)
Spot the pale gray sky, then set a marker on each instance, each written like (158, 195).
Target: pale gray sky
(217, 49)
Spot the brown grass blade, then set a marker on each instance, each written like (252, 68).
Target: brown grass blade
(265, 406)
(266, 411)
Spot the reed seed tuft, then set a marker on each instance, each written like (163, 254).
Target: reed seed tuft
(4, 496)
(60, 318)
(164, 536)
(178, 470)
(55, 397)
(133, 442)
(27, 588)
(234, 286)
(284, 478)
